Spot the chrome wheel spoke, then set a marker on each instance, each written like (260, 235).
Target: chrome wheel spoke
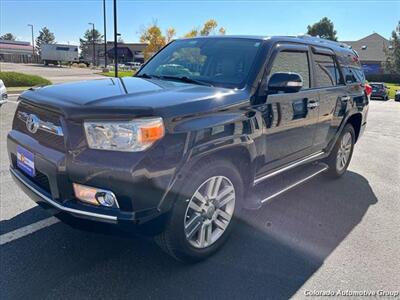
(200, 197)
(194, 206)
(193, 227)
(223, 214)
(226, 200)
(202, 236)
(220, 224)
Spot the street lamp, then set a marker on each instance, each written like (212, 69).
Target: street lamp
(94, 47)
(105, 34)
(33, 40)
(115, 40)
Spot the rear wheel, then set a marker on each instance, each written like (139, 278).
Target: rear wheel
(202, 217)
(339, 159)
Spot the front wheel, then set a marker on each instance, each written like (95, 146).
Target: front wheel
(202, 217)
(339, 159)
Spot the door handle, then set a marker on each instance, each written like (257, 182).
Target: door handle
(345, 98)
(312, 104)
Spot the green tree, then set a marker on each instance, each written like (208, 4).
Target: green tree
(8, 36)
(323, 28)
(392, 64)
(45, 37)
(87, 39)
(152, 35)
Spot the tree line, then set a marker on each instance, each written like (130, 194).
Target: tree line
(155, 39)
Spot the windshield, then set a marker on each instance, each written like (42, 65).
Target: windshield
(222, 62)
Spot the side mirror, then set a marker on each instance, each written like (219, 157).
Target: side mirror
(285, 82)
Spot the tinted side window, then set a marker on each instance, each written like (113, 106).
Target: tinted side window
(296, 62)
(359, 74)
(326, 71)
(349, 75)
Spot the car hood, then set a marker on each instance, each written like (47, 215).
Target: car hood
(131, 96)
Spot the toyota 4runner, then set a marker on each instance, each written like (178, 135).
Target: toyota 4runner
(176, 150)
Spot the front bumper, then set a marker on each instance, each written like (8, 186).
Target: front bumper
(57, 194)
(44, 199)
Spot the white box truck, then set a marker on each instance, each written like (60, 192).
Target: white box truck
(58, 53)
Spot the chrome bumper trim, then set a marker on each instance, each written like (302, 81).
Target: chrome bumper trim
(58, 206)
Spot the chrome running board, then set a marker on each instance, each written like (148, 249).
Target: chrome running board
(294, 184)
(278, 185)
(288, 167)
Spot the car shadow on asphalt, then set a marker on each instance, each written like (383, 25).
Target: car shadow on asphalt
(272, 252)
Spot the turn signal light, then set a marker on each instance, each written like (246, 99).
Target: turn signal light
(151, 132)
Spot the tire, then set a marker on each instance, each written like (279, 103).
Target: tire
(340, 157)
(186, 245)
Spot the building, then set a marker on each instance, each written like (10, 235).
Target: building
(16, 51)
(371, 50)
(127, 52)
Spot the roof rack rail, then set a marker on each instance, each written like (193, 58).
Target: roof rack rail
(317, 39)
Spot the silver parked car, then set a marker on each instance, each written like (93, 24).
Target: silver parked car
(3, 93)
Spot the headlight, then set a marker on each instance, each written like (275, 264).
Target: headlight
(129, 136)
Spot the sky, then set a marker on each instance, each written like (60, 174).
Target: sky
(68, 19)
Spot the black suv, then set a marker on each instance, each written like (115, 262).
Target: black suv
(176, 150)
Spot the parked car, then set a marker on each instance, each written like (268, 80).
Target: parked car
(379, 90)
(397, 96)
(174, 155)
(133, 65)
(3, 93)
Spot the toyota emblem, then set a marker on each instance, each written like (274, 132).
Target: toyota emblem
(32, 123)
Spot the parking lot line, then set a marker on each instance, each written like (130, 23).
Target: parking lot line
(27, 230)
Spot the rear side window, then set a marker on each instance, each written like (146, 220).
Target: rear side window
(353, 75)
(295, 62)
(326, 71)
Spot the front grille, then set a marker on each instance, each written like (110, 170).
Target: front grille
(45, 138)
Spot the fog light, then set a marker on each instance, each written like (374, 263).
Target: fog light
(95, 196)
(106, 199)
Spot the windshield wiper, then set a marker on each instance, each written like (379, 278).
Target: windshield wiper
(148, 76)
(187, 80)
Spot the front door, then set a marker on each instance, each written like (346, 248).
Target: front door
(289, 119)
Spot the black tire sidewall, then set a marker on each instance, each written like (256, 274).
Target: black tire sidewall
(177, 240)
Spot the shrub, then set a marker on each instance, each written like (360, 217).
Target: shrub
(390, 78)
(82, 65)
(12, 79)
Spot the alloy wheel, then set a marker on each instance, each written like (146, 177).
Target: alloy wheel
(209, 211)
(344, 151)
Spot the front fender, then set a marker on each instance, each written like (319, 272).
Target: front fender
(230, 136)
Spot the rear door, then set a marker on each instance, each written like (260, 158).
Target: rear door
(333, 95)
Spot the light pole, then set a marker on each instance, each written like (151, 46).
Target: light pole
(105, 34)
(33, 40)
(115, 40)
(94, 47)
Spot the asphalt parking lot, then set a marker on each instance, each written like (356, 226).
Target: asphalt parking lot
(325, 235)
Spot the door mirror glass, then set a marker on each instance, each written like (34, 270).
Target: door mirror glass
(285, 82)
